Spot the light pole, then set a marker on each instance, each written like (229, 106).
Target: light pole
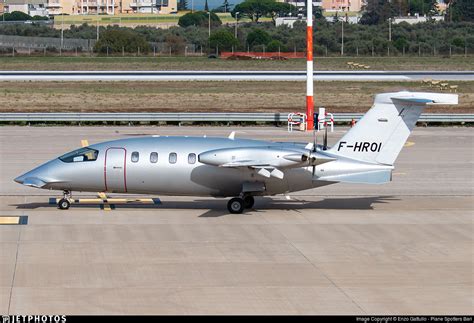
(209, 24)
(342, 38)
(236, 22)
(97, 14)
(389, 29)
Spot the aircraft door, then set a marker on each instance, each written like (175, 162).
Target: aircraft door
(115, 170)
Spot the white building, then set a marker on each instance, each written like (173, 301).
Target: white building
(416, 19)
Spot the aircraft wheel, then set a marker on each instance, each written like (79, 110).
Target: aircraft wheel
(236, 205)
(249, 201)
(64, 204)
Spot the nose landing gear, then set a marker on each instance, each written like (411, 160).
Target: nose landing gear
(237, 205)
(64, 203)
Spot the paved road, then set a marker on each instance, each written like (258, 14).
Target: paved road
(233, 75)
(405, 247)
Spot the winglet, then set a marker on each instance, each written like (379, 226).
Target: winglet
(232, 135)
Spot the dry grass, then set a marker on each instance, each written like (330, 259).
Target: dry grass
(201, 63)
(204, 96)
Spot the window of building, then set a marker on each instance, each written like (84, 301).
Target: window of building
(191, 158)
(173, 157)
(153, 157)
(80, 155)
(135, 156)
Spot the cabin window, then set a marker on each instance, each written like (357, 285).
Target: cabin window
(80, 155)
(135, 156)
(153, 157)
(192, 158)
(173, 157)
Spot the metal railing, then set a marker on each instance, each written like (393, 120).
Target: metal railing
(201, 117)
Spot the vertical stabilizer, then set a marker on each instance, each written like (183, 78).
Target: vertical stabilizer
(381, 133)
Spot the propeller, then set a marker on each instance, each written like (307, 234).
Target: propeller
(313, 157)
(325, 139)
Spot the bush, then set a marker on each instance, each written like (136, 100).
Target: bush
(199, 19)
(223, 39)
(275, 46)
(115, 40)
(16, 16)
(258, 37)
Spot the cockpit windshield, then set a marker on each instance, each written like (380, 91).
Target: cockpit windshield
(80, 155)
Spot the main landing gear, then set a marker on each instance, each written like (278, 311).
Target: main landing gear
(237, 205)
(65, 203)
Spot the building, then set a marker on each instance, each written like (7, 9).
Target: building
(301, 4)
(30, 7)
(343, 5)
(416, 19)
(88, 7)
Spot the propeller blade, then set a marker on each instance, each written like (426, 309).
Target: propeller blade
(325, 140)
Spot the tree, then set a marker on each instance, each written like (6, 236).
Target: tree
(182, 5)
(378, 12)
(206, 6)
(16, 16)
(279, 9)
(422, 7)
(199, 19)
(253, 9)
(225, 7)
(258, 37)
(115, 40)
(276, 46)
(462, 10)
(223, 39)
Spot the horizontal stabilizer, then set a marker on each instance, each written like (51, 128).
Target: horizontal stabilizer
(370, 177)
(421, 98)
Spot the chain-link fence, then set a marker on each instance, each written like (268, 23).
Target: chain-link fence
(21, 45)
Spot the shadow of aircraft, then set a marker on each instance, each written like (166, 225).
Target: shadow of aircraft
(217, 207)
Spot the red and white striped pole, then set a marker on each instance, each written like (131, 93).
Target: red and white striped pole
(309, 65)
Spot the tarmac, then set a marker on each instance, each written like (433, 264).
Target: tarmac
(400, 248)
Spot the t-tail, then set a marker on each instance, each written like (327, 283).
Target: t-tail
(382, 132)
(367, 152)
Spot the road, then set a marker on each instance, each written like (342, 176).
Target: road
(401, 248)
(233, 75)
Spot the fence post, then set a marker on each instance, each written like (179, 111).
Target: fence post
(419, 50)
(60, 51)
(13, 51)
(403, 51)
(123, 51)
(107, 51)
(44, 51)
(465, 50)
(326, 51)
(154, 51)
(76, 51)
(373, 54)
(388, 50)
(138, 51)
(357, 50)
(29, 50)
(450, 51)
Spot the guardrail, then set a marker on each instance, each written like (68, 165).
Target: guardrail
(200, 117)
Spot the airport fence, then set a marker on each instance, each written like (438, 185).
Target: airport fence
(203, 117)
(24, 45)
